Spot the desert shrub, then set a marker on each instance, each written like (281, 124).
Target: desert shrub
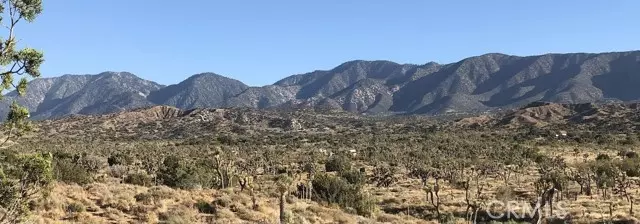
(336, 190)
(505, 193)
(140, 179)
(539, 158)
(631, 167)
(74, 208)
(161, 193)
(628, 154)
(178, 216)
(118, 171)
(384, 175)
(603, 157)
(310, 167)
(354, 177)
(205, 207)
(178, 173)
(338, 163)
(67, 171)
(120, 158)
(23, 178)
(171, 171)
(448, 218)
(330, 189)
(144, 198)
(155, 195)
(605, 139)
(362, 204)
(605, 172)
(631, 139)
(222, 202)
(91, 163)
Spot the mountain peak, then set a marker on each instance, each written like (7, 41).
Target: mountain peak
(200, 90)
(84, 94)
(205, 75)
(113, 73)
(354, 63)
(484, 82)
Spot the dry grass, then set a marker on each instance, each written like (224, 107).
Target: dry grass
(113, 202)
(122, 203)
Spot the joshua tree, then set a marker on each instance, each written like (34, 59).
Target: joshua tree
(433, 195)
(473, 179)
(384, 175)
(283, 184)
(225, 167)
(623, 184)
(552, 181)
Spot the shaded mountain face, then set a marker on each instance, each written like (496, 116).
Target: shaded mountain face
(356, 86)
(481, 83)
(474, 84)
(199, 91)
(84, 94)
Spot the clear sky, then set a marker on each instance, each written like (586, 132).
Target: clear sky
(259, 42)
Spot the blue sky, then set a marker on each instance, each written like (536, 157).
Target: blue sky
(259, 42)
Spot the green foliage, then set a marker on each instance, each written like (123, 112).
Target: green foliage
(18, 61)
(338, 163)
(22, 179)
(603, 157)
(630, 139)
(630, 166)
(17, 123)
(140, 179)
(605, 173)
(605, 139)
(330, 189)
(91, 163)
(283, 183)
(75, 207)
(70, 171)
(354, 177)
(205, 207)
(120, 158)
(179, 173)
(336, 190)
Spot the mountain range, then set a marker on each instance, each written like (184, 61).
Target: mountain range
(481, 83)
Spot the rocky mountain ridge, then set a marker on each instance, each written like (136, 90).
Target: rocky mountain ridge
(476, 84)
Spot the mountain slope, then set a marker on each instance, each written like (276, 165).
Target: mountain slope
(481, 83)
(599, 117)
(201, 90)
(46, 92)
(501, 81)
(356, 85)
(84, 94)
(478, 83)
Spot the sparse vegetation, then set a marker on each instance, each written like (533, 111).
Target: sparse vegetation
(402, 170)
